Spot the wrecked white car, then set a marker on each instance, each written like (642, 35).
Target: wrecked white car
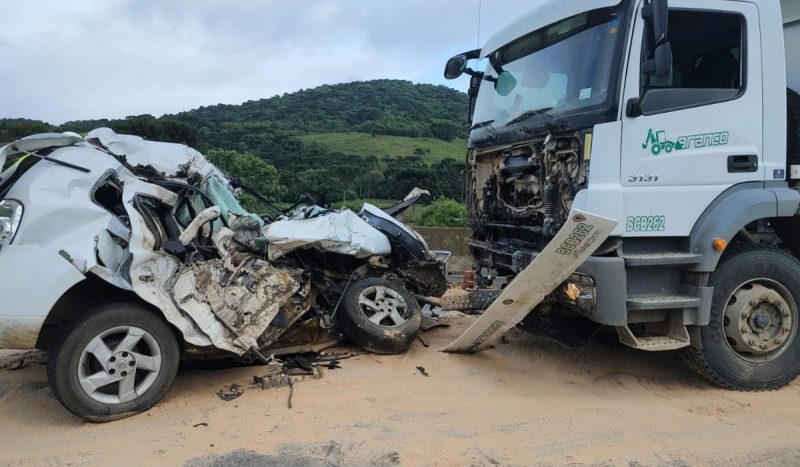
(119, 256)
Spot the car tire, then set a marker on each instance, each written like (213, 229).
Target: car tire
(118, 360)
(752, 341)
(380, 316)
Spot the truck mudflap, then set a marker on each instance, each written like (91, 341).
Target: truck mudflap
(580, 236)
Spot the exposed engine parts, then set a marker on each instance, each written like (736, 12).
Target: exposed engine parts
(528, 187)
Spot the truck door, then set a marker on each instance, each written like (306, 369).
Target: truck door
(700, 132)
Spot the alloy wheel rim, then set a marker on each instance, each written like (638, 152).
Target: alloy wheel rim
(383, 306)
(119, 364)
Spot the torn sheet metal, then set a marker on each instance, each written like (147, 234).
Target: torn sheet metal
(341, 232)
(167, 158)
(378, 212)
(410, 199)
(575, 242)
(246, 298)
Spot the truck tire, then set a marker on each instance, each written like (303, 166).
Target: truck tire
(380, 316)
(752, 342)
(792, 128)
(116, 361)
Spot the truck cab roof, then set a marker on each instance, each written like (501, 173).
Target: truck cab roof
(548, 12)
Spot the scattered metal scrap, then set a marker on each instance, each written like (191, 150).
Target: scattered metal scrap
(21, 360)
(422, 370)
(429, 323)
(288, 371)
(234, 393)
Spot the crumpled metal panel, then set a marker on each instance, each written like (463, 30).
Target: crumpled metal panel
(341, 232)
(246, 298)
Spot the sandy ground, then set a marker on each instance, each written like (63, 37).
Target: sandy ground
(529, 401)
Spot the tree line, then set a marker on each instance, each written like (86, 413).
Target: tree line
(258, 141)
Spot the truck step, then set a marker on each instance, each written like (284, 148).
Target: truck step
(661, 259)
(662, 302)
(677, 338)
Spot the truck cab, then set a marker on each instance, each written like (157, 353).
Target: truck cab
(671, 118)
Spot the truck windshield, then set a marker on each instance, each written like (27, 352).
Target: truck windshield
(557, 71)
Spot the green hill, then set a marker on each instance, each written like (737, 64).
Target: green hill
(366, 139)
(385, 107)
(388, 146)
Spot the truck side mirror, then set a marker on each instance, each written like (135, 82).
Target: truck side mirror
(505, 83)
(457, 65)
(656, 16)
(660, 65)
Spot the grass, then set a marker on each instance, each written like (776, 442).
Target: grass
(364, 144)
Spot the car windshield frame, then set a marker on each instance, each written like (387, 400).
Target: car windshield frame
(496, 114)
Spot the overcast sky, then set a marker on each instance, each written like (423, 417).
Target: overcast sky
(78, 59)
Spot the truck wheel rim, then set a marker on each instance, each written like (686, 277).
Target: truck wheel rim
(760, 320)
(383, 306)
(119, 364)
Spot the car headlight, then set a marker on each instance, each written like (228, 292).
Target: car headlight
(10, 217)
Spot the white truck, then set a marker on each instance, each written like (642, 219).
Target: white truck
(678, 120)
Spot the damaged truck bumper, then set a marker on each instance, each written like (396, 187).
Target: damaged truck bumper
(601, 280)
(578, 238)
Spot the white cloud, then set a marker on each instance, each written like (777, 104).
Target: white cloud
(80, 59)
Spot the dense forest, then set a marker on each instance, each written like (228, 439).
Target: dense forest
(279, 144)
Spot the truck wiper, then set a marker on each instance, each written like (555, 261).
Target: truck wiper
(486, 125)
(530, 113)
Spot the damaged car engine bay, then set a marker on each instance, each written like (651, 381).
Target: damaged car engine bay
(525, 190)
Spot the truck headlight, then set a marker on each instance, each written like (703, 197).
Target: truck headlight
(579, 291)
(10, 217)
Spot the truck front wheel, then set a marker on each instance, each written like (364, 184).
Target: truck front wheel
(116, 361)
(752, 342)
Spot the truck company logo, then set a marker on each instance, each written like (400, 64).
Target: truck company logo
(658, 142)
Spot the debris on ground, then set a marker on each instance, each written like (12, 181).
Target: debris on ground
(423, 341)
(199, 424)
(430, 322)
(286, 371)
(422, 370)
(234, 393)
(21, 360)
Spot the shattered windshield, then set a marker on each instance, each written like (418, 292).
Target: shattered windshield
(560, 70)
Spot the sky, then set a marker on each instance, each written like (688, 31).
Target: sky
(83, 59)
